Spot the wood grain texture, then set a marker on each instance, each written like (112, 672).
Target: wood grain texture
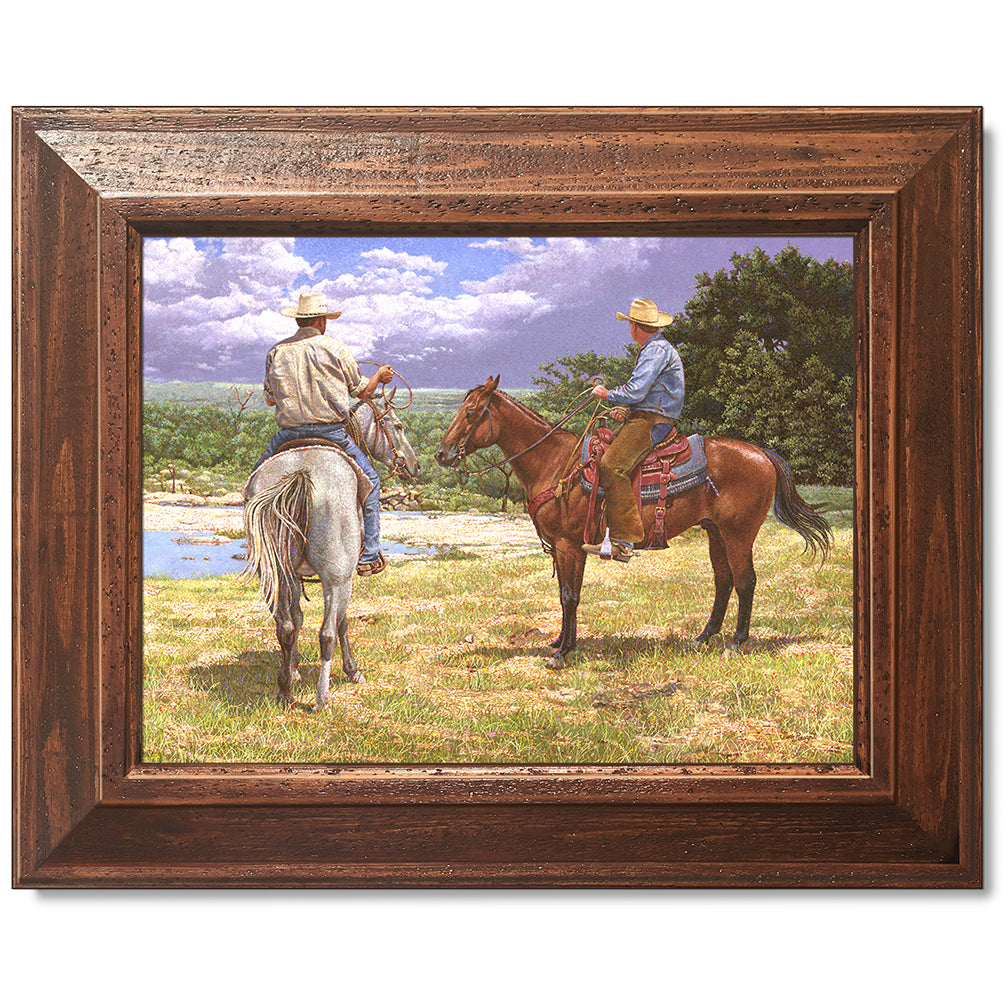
(90, 183)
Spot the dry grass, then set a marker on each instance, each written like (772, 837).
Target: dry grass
(454, 655)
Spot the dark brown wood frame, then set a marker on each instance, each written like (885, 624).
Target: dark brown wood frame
(90, 183)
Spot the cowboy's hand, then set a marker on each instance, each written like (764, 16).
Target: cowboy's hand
(618, 414)
(385, 374)
(600, 391)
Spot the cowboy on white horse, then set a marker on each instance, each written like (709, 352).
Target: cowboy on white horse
(310, 379)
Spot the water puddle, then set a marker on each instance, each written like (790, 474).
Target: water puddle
(200, 554)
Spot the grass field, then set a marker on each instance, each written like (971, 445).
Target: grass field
(454, 648)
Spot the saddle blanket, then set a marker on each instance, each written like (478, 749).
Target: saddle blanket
(364, 485)
(691, 472)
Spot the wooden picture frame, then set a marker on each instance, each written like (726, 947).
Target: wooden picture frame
(89, 184)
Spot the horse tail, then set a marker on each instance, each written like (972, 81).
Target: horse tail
(794, 512)
(276, 523)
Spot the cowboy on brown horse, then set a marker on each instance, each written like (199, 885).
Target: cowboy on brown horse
(649, 403)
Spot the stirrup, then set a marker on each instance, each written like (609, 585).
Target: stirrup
(603, 549)
(373, 567)
(622, 553)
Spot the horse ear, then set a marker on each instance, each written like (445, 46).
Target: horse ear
(492, 383)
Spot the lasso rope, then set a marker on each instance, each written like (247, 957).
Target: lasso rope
(396, 373)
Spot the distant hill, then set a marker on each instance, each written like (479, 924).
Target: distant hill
(220, 393)
(203, 393)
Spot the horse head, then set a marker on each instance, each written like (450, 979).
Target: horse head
(472, 427)
(385, 438)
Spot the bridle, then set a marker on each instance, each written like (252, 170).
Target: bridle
(400, 464)
(464, 446)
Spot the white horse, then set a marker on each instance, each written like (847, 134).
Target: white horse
(304, 518)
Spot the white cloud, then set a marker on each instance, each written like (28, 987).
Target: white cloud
(216, 304)
(558, 272)
(404, 261)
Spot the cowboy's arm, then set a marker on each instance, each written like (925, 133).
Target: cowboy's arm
(382, 376)
(650, 363)
(267, 388)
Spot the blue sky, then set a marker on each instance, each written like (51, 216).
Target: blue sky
(444, 312)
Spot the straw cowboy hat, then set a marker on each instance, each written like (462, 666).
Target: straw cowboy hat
(646, 313)
(310, 306)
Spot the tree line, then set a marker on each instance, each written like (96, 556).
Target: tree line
(768, 353)
(210, 448)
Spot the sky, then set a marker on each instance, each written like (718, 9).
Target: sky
(445, 312)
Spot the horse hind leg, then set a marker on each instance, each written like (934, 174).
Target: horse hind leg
(334, 628)
(723, 583)
(740, 558)
(288, 625)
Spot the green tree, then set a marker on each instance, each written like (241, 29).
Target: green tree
(799, 411)
(790, 304)
(567, 377)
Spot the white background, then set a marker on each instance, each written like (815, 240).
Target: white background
(530, 948)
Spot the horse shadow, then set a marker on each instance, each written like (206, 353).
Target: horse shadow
(624, 648)
(245, 680)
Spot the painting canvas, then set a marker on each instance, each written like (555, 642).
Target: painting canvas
(455, 641)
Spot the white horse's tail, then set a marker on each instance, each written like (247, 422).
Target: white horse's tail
(276, 523)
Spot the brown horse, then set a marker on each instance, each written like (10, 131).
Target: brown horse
(744, 482)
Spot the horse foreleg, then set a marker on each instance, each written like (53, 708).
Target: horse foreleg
(288, 625)
(723, 583)
(570, 561)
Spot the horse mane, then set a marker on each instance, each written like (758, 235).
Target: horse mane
(527, 410)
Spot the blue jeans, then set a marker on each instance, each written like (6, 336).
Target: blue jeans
(337, 434)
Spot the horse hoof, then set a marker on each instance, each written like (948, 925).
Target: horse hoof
(355, 677)
(320, 706)
(285, 700)
(558, 661)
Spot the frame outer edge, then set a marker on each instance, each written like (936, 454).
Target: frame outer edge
(67, 803)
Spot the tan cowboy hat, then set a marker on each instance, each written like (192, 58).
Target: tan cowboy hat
(310, 306)
(646, 313)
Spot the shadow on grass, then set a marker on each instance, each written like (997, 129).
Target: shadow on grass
(624, 649)
(248, 679)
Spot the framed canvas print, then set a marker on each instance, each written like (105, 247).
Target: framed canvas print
(481, 692)
(485, 520)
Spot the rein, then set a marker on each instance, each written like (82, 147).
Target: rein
(462, 449)
(381, 430)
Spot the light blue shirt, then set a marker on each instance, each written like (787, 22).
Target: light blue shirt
(657, 384)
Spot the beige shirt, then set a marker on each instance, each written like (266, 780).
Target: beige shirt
(310, 378)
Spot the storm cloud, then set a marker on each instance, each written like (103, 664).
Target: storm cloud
(447, 317)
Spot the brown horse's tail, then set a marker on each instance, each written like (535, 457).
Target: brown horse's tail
(794, 512)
